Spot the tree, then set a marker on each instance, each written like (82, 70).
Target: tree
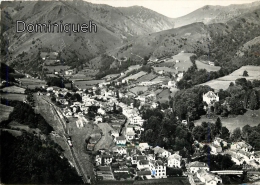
(236, 134)
(253, 101)
(218, 126)
(224, 133)
(245, 73)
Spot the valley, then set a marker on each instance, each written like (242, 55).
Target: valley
(145, 99)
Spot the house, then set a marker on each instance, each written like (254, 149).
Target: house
(241, 145)
(174, 160)
(121, 150)
(143, 146)
(143, 164)
(217, 141)
(104, 172)
(215, 149)
(193, 167)
(171, 84)
(161, 152)
(103, 159)
(121, 140)
(136, 158)
(158, 169)
(208, 178)
(210, 97)
(98, 119)
(136, 120)
(211, 63)
(69, 72)
(130, 133)
(145, 173)
(115, 134)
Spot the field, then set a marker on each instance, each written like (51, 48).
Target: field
(9, 96)
(56, 68)
(161, 79)
(238, 121)
(106, 141)
(201, 65)
(138, 88)
(14, 132)
(147, 77)
(163, 96)
(5, 112)
(16, 125)
(136, 76)
(84, 83)
(223, 82)
(166, 69)
(31, 83)
(13, 89)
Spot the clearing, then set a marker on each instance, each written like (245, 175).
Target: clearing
(13, 89)
(201, 65)
(5, 112)
(10, 96)
(234, 122)
(137, 89)
(106, 140)
(223, 82)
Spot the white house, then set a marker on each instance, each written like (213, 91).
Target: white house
(158, 169)
(103, 159)
(121, 150)
(174, 161)
(142, 164)
(193, 167)
(241, 146)
(121, 140)
(210, 97)
(161, 152)
(143, 146)
(136, 120)
(208, 178)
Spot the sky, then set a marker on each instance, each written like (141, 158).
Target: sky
(170, 8)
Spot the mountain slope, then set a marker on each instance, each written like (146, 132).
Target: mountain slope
(195, 37)
(151, 21)
(215, 14)
(115, 26)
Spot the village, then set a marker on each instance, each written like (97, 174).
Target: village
(130, 159)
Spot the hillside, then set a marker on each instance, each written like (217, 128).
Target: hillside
(195, 38)
(114, 28)
(215, 14)
(151, 21)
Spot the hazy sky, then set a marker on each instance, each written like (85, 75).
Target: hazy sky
(170, 8)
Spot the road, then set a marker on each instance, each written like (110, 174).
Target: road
(75, 158)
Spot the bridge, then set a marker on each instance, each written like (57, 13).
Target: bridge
(228, 172)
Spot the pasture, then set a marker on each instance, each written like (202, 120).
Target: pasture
(223, 82)
(135, 76)
(201, 65)
(10, 96)
(13, 89)
(234, 122)
(137, 89)
(83, 84)
(56, 68)
(5, 112)
(147, 77)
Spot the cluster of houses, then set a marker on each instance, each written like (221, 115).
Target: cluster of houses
(138, 160)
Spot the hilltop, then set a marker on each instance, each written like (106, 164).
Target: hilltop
(215, 14)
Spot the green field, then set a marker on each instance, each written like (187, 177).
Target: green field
(83, 84)
(201, 65)
(223, 82)
(13, 89)
(5, 112)
(237, 121)
(147, 77)
(56, 68)
(138, 88)
(10, 96)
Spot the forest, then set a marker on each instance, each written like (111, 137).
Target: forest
(27, 159)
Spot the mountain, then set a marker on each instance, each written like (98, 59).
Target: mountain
(151, 21)
(215, 14)
(195, 37)
(115, 26)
